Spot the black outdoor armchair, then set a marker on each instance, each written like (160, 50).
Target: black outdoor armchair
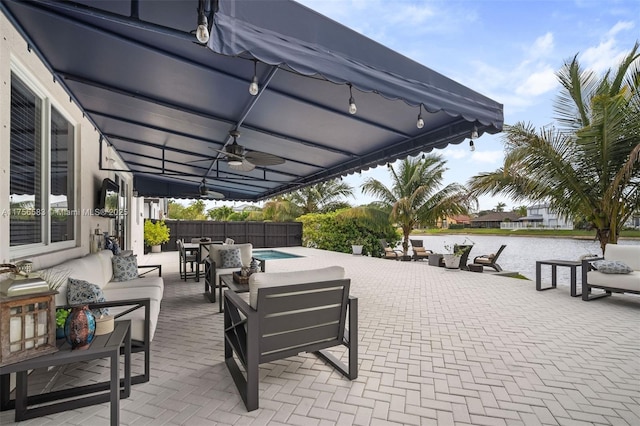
(289, 319)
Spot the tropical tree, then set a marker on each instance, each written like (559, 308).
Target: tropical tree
(589, 166)
(321, 197)
(500, 207)
(220, 213)
(415, 195)
(280, 209)
(194, 211)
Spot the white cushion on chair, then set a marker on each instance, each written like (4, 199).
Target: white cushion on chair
(276, 279)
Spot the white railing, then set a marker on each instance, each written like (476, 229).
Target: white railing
(517, 225)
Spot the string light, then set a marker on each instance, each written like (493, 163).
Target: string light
(472, 147)
(202, 32)
(352, 103)
(420, 122)
(253, 87)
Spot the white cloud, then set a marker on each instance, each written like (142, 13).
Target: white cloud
(411, 15)
(541, 47)
(455, 153)
(538, 83)
(620, 26)
(490, 157)
(607, 54)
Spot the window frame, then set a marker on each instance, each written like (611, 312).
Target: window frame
(48, 102)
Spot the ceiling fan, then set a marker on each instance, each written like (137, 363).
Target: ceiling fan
(206, 193)
(244, 161)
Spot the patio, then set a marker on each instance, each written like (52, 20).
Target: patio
(436, 347)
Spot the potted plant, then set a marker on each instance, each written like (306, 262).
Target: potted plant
(452, 258)
(61, 318)
(155, 234)
(356, 246)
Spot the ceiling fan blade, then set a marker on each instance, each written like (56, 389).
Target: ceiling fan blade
(213, 195)
(228, 154)
(263, 158)
(246, 166)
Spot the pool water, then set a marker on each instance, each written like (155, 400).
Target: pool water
(272, 254)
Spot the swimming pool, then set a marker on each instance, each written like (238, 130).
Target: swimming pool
(273, 254)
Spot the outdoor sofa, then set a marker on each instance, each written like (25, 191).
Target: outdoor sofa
(137, 299)
(617, 272)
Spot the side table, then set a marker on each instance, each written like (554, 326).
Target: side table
(227, 279)
(107, 345)
(573, 265)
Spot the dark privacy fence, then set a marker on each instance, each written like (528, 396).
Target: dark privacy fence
(260, 234)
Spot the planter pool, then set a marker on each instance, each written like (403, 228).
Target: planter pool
(273, 254)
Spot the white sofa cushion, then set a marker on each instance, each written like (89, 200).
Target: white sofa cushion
(276, 279)
(628, 254)
(622, 281)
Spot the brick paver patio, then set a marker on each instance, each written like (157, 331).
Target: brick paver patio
(436, 347)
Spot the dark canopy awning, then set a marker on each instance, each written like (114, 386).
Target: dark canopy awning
(163, 100)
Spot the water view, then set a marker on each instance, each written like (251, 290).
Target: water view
(522, 253)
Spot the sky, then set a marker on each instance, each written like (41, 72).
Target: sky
(508, 50)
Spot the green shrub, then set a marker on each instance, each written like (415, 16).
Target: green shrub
(337, 232)
(155, 233)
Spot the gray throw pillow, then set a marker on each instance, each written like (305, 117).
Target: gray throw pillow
(125, 268)
(231, 258)
(81, 292)
(612, 267)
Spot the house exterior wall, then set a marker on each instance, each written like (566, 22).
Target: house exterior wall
(14, 50)
(549, 219)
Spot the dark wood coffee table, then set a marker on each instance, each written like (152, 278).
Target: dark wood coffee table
(227, 279)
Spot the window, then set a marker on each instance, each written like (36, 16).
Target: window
(42, 179)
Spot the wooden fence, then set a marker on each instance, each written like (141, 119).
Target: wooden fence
(260, 234)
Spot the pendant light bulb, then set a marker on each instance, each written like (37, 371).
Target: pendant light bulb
(420, 122)
(352, 106)
(472, 147)
(352, 103)
(202, 32)
(253, 87)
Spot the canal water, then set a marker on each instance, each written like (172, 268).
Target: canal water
(521, 253)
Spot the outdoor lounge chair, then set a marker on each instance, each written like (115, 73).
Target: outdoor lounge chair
(389, 252)
(289, 313)
(489, 260)
(466, 249)
(419, 252)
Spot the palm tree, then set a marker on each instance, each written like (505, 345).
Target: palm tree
(588, 166)
(321, 197)
(414, 196)
(280, 209)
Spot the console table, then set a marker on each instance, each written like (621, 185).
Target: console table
(107, 345)
(573, 265)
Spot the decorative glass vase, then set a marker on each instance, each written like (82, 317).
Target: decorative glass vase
(80, 327)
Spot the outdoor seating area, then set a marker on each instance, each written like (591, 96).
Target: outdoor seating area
(439, 348)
